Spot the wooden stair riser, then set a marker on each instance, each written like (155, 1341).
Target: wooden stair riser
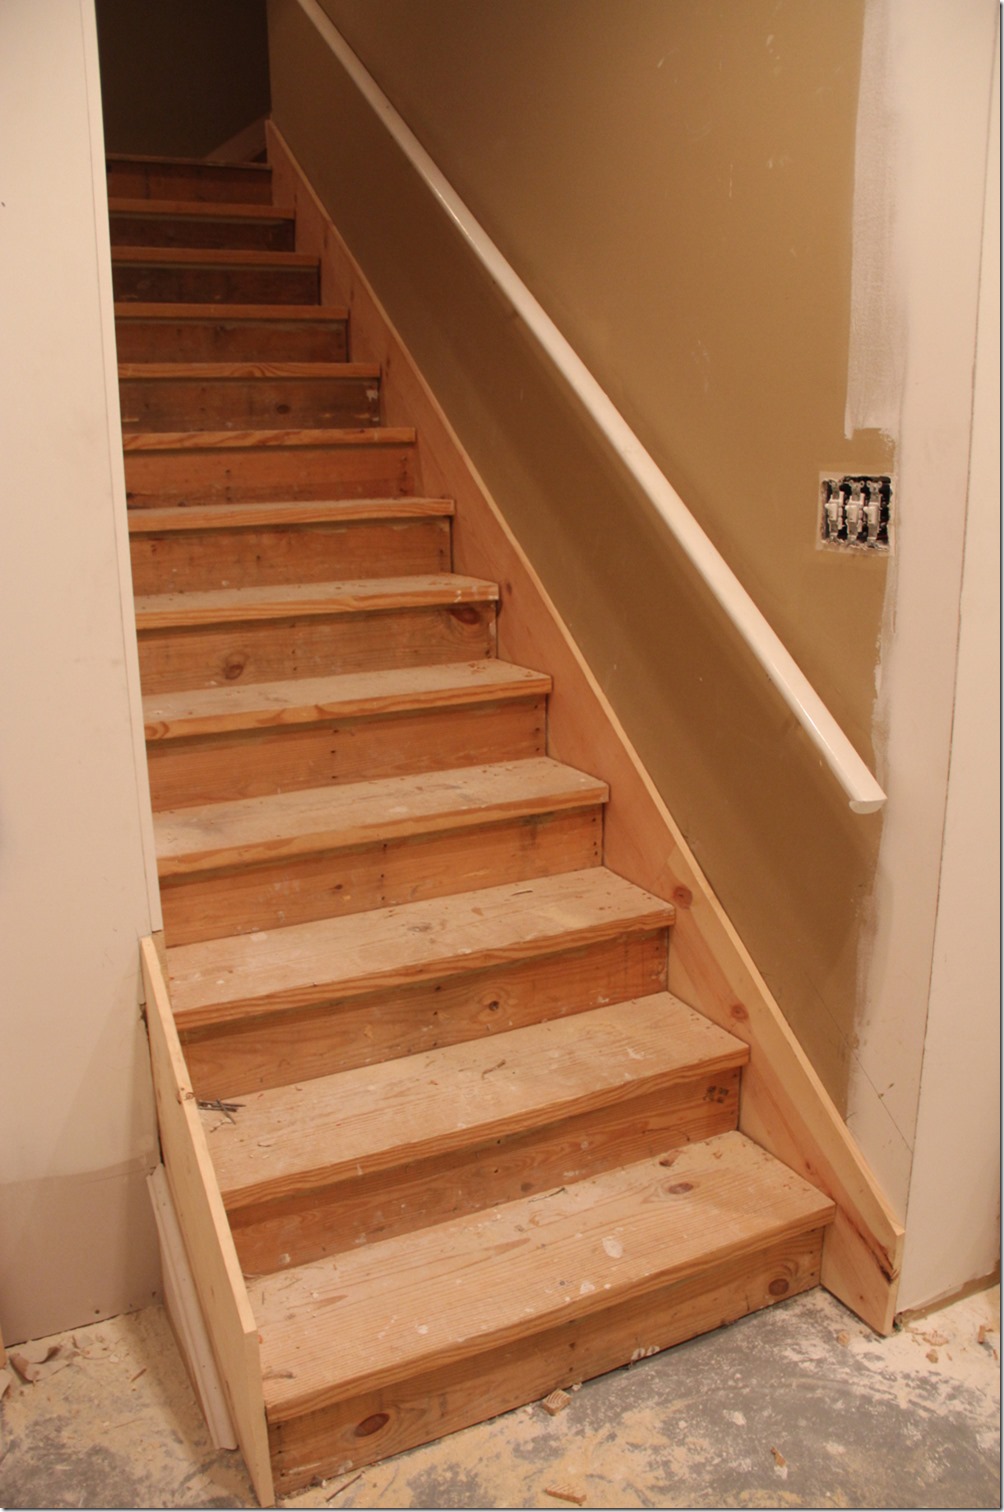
(194, 657)
(376, 1424)
(271, 974)
(332, 884)
(150, 178)
(344, 1033)
(271, 1236)
(130, 225)
(517, 1271)
(252, 763)
(260, 466)
(182, 561)
(179, 334)
(162, 277)
(264, 400)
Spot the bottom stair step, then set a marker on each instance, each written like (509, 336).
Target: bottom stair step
(393, 1344)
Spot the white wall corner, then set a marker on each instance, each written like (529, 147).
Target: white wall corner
(937, 90)
(953, 1228)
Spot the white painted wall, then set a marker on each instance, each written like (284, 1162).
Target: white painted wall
(938, 91)
(953, 1233)
(77, 1130)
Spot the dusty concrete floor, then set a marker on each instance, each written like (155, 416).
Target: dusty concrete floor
(799, 1406)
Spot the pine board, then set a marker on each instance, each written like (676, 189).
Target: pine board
(298, 1138)
(335, 883)
(355, 695)
(231, 606)
(283, 757)
(201, 1217)
(192, 333)
(223, 466)
(246, 1055)
(376, 1424)
(390, 948)
(363, 813)
(327, 1328)
(276, 1234)
(313, 645)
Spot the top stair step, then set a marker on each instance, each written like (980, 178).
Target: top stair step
(133, 177)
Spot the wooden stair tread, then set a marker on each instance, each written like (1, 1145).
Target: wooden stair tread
(365, 1318)
(156, 160)
(215, 711)
(215, 257)
(224, 980)
(166, 310)
(284, 825)
(224, 606)
(198, 209)
(294, 1139)
(157, 372)
(367, 435)
(252, 516)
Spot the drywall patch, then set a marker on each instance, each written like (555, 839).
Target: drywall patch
(875, 356)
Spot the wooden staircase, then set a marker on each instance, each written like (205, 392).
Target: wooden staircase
(470, 1147)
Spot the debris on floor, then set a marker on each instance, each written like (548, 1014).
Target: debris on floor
(34, 1361)
(556, 1402)
(864, 1423)
(563, 1493)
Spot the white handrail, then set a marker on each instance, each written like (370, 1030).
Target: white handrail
(864, 793)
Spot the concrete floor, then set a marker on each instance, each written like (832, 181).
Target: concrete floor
(799, 1406)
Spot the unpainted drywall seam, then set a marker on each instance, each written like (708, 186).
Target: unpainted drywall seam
(875, 357)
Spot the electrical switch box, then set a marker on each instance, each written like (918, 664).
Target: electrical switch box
(855, 512)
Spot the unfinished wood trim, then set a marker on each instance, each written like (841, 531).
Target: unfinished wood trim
(784, 1106)
(264, 440)
(182, 209)
(253, 314)
(203, 1222)
(181, 1301)
(211, 257)
(228, 606)
(130, 159)
(188, 372)
(195, 517)
(249, 142)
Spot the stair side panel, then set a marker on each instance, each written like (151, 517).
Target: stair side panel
(203, 1222)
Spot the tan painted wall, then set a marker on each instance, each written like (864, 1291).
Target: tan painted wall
(674, 182)
(180, 77)
(77, 1132)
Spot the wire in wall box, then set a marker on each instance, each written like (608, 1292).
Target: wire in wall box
(855, 512)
